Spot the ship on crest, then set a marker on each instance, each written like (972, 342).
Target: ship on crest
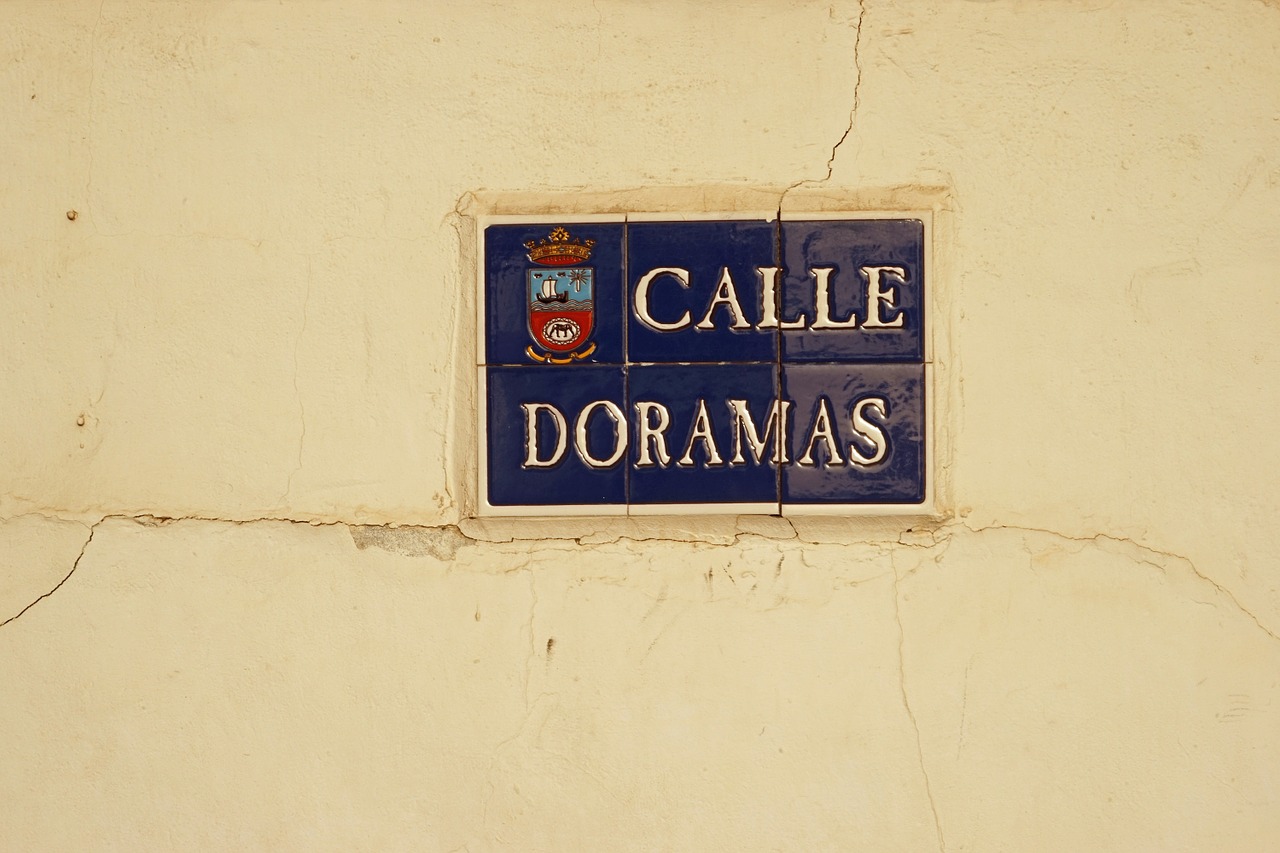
(549, 293)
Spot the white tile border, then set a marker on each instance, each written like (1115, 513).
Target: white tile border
(933, 318)
(741, 215)
(704, 509)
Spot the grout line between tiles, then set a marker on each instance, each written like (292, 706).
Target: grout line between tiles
(777, 354)
(626, 353)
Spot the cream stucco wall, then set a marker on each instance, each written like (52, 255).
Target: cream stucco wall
(243, 604)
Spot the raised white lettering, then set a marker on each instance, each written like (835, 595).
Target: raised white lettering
(531, 459)
(822, 302)
(727, 295)
(869, 432)
(642, 299)
(868, 416)
(776, 422)
(701, 432)
(822, 429)
(652, 434)
(768, 298)
(619, 433)
(878, 297)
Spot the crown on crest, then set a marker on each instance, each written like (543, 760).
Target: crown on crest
(559, 249)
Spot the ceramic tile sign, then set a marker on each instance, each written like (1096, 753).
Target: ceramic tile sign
(665, 364)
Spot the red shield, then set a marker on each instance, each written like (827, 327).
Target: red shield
(561, 308)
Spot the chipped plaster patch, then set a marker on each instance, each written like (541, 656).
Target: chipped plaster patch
(442, 543)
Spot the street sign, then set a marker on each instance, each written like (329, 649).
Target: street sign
(667, 364)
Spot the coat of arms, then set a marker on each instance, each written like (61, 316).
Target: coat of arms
(560, 298)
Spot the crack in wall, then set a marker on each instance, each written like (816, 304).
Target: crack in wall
(533, 636)
(964, 708)
(443, 542)
(74, 565)
(297, 392)
(911, 716)
(1145, 554)
(853, 110)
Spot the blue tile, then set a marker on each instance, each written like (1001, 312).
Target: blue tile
(565, 333)
(855, 255)
(880, 459)
(560, 470)
(700, 251)
(682, 467)
(550, 302)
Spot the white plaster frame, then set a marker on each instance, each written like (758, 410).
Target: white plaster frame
(929, 508)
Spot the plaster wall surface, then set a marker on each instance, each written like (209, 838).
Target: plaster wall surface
(243, 604)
